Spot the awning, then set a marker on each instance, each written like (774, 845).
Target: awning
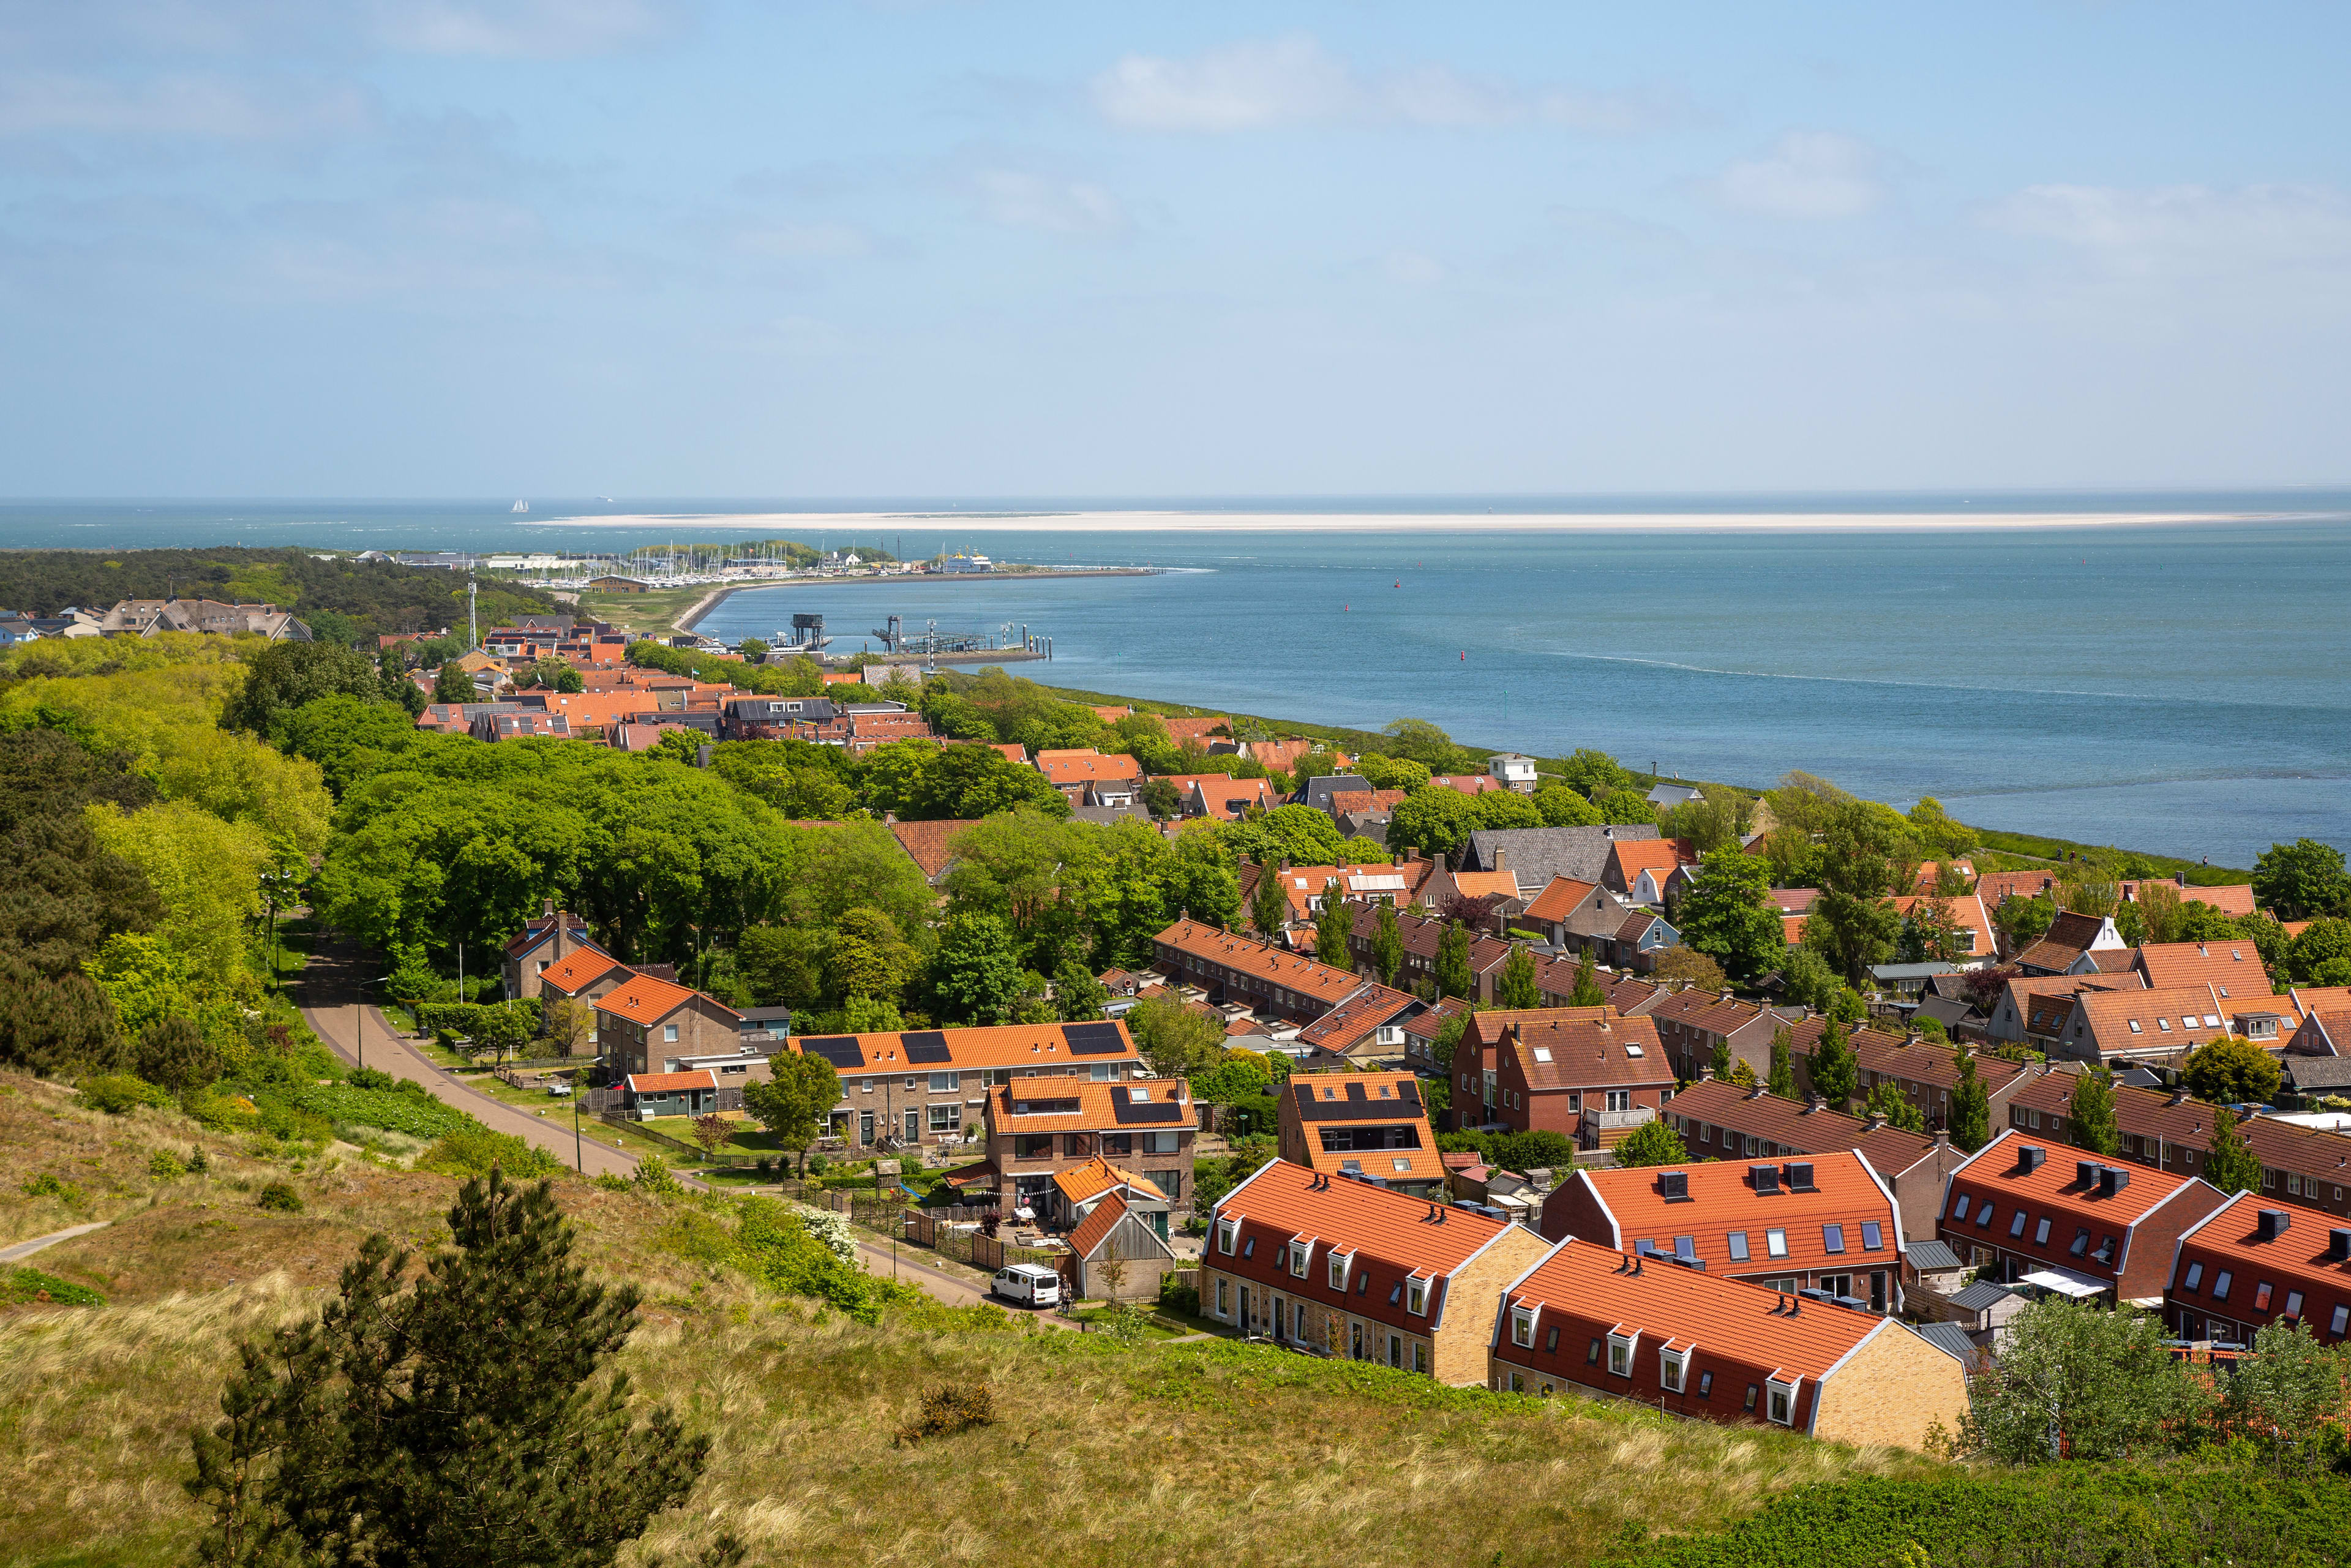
(2066, 1283)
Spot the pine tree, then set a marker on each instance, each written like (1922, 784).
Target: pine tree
(1453, 976)
(1587, 992)
(2232, 1168)
(2091, 1114)
(464, 1421)
(1836, 1071)
(1970, 1106)
(1334, 924)
(1517, 987)
(1742, 1074)
(1782, 1080)
(1270, 906)
(1388, 946)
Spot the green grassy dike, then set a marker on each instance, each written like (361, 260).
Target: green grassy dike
(2022, 847)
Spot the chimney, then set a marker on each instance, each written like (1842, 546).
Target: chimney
(2271, 1223)
(1501, 860)
(2029, 1157)
(547, 907)
(2338, 1246)
(1813, 1101)
(1942, 1137)
(2179, 1096)
(1875, 1120)
(1705, 1074)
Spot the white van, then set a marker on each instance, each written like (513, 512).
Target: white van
(1030, 1284)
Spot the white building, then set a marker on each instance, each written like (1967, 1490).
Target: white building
(1512, 771)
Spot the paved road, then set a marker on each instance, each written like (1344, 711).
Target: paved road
(23, 1249)
(330, 1005)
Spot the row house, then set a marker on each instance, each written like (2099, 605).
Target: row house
(1692, 1023)
(2122, 1027)
(1420, 1032)
(1040, 1128)
(919, 1086)
(1925, 1073)
(1090, 778)
(1367, 1029)
(1232, 968)
(1372, 883)
(2020, 1210)
(1997, 887)
(544, 940)
(644, 1021)
(1423, 936)
(2253, 1263)
(1590, 1319)
(1719, 1121)
(2173, 1132)
(1579, 917)
(1823, 1227)
(1585, 1073)
(1371, 1126)
(1221, 797)
(1344, 1269)
(2011, 1021)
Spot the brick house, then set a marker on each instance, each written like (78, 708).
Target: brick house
(584, 976)
(1374, 1125)
(1580, 917)
(1585, 1073)
(2251, 1263)
(2173, 1132)
(2126, 1027)
(1720, 1121)
(1924, 1072)
(2023, 1208)
(643, 1021)
(1090, 778)
(2011, 1015)
(1637, 870)
(541, 944)
(1589, 1319)
(1367, 1028)
(1422, 935)
(1342, 1268)
(1039, 1126)
(1823, 1224)
(931, 1086)
(1692, 1022)
(2070, 944)
(1234, 968)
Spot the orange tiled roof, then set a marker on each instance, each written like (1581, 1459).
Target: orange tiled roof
(1345, 1026)
(1723, 1203)
(575, 972)
(599, 710)
(925, 844)
(1081, 767)
(670, 1082)
(2054, 1188)
(1021, 1107)
(1558, 900)
(1283, 1201)
(1486, 883)
(1098, 1176)
(1002, 1045)
(2296, 1260)
(1567, 1049)
(1244, 955)
(2233, 968)
(1098, 1224)
(1383, 1091)
(642, 1000)
(1967, 913)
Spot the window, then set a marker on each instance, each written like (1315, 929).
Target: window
(1226, 1231)
(2262, 1296)
(1160, 1143)
(2106, 1252)
(1591, 1354)
(1873, 1236)
(1959, 1208)
(1299, 1252)
(2041, 1233)
(947, 1118)
(2081, 1241)
(1419, 1356)
(1620, 1099)
(2293, 1303)
(1118, 1143)
(1415, 1297)
(2016, 1225)
(1832, 1236)
(1706, 1386)
(1620, 1354)
(2195, 1276)
(669, 1033)
(1224, 1297)
(1299, 1329)
(1775, 1243)
(1518, 1383)
(1248, 1248)
(2341, 1319)
(1522, 1327)
(1685, 1247)
(2221, 1285)
(1550, 1341)
(1738, 1247)
(945, 1083)
(1364, 1282)
(2163, 1025)
(1672, 1366)
(1783, 1407)
(1752, 1392)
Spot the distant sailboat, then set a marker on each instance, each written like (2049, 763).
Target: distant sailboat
(522, 506)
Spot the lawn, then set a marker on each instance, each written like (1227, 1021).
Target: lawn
(656, 612)
(749, 1138)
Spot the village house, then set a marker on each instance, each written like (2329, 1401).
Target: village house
(926, 844)
(930, 1086)
(645, 1095)
(2233, 969)
(1976, 942)
(1420, 1032)
(1119, 1251)
(1512, 771)
(643, 1019)
(2117, 1027)
(1590, 1320)
(1536, 855)
(1342, 1268)
(1579, 917)
(1585, 1073)
(2010, 1018)
(147, 617)
(1090, 778)
(1824, 1227)
(1422, 935)
(520, 725)
(2173, 1132)
(2027, 1210)
(1230, 968)
(1037, 1128)
(1719, 1121)
(1638, 871)
(586, 976)
(2254, 1262)
(2069, 946)
(1373, 1126)
(1692, 1023)
(1925, 1072)
(1222, 798)
(546, 940)
(1367, 1029)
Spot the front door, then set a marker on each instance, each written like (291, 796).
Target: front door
(1355, 1341)
(1246, 1323)
(865, 1127)
(1878, 1290)
(914, 1126)
(1280, 1326)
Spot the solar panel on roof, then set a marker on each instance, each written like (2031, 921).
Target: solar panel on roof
(1093, 1039)
(928, 1046)
(840, 1050)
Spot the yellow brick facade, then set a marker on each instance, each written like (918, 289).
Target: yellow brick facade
(1892, 1392)
(1473, 1298)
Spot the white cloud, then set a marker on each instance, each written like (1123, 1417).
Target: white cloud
(1414, 269)
(2188, 228)
(182, 105)
(1016, 199)
(792, 242)
(1261, 84)
(516, 28)
(1807, 175)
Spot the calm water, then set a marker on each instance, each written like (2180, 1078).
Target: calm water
(2176, 689)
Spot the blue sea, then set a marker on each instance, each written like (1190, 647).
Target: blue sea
(2177, 688)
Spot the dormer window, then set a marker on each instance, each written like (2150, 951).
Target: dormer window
(1299, 1251)
(1339, 1263)
(1620, 1354)
(1672, 1366)
(1415, 1297)
(1522, 1327)
(1227, 1230)
(1781, 1404)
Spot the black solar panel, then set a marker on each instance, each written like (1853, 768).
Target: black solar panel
(1093, 1039)
(840, 1050)
(929, 1046)
(1128, 1112)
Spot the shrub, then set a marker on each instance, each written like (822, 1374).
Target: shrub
(949, 1408)
(473, 1149)
(652, 1177)
(818, 1165)
(281, 1197)
(19, 1286)
(197, 1164)
(46, 1185)
(116, 1093)
(1176, 1298)
(166, 1166)
(370, 1078)
(358, 1105)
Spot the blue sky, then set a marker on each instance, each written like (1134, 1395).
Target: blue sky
(698, 247)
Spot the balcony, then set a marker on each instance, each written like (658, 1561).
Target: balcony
(1606, 1129)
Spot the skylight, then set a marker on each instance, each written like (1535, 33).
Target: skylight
(1543, 1054)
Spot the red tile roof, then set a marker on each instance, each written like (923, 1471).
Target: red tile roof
(1243, 956)
(925, 844)
(1079, 767)
(575, 972)
(1348, 1024)
(1021, 1106)
(1723, 1203)
(2295, 1261)
(1097, 1225)
(1787, 1126)
(671, 1082)
(1079, 1183)
(1002, 1045)
(2234, 967)
(642, 1000)
(1558, 900)
(1570, 1049)
(2053, 1190)
(1631, 857)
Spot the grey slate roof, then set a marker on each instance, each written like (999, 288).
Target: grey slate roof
(1535, 855)
(1952, 1340)
(1932, 1257)
(1980, 1295)
(2317, 1071)
(1320, 789)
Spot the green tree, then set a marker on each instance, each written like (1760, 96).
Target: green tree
(1270, 904)
(2083, 1383)
(1387, 944)
(1436, 821)
(1723, 1061)
(1587, 992)
(2231, 1070)
(1693, 969)
(453, 684)
(798, 1100)
(1299, 834)
(1970, 1106)
(1807, 980)
(1334, 924)
(1162, 799)
(2232, 1166)
(1629, 805)
(2091, 1112)
(287, 674)
(752, 649)
(1561, 807)
(471, 1418)
(1728, 915)
(2321, 955)
(2300, 880)
(174, 1053)
(1454, 978)
(1835, 1069)
(1078, 994)
(1517, 987)
(1887, 1101)
(2287, 1397)
(2023, 921)
(1173, 1038)
(1652, 1143)
(1592, 774)
(1852, 933)
(1448, 1040)
(1782, 1078)
(976, 973)
(1423, 742)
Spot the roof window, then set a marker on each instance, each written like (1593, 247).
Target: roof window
(1543, 1054)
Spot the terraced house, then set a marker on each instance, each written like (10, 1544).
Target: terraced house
(1587, 1074)
(2253, 1263)
(1234, 968)
(2172, 1133)
(1341, 1268)
(1720, 1121)
(1369, 1126)
(1924, 1072)
(931, 1086)
(1042, 1127)
(2027, 1210)
(1691, 1023)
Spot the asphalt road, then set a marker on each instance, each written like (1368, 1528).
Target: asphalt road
(23, 1249)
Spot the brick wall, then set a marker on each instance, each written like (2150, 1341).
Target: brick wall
(1893, 1392)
